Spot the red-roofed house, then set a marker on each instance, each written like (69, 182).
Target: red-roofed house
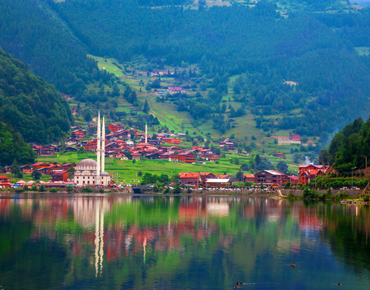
(307, 173)
(190, 178)
(171, 140)
(248, 177)
(60, 175)
(295, 137)
(115, 127)
(78, 134)
(269, 177)
(187, 157)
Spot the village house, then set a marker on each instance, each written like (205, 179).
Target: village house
(307, 173)
(78, 134)
(279, 155)
(60, 175)
(72, 141)
(4, 181)
(229, 145)
(115, 127)
(171, 140)
(269, 177)
(248, 177)
(187, 157)
(292, 179)
(170, 156)
(27, 169)
(190, 178)
(135, 156)
(216, 182)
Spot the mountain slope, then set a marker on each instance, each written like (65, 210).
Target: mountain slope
(29, 104)
(31, 32)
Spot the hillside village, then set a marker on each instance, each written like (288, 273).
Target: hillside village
(130, 144)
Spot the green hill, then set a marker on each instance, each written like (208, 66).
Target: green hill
(29, 104)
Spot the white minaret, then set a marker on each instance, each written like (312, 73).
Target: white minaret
(103, 147)
(146, 132)
(98, 140)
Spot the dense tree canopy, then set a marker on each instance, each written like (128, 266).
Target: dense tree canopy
(315, 51)
(13, 147)
(349, 148)
(29, 104)
(33, 33)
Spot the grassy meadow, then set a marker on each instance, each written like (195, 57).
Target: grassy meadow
(127, 170)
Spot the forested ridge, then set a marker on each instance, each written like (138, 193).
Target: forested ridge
(264, 48)
(258, 46)
(349, 148)
(35, 37)
(13, 147)
(29, 104)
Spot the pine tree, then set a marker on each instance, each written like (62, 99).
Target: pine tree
(146, 107)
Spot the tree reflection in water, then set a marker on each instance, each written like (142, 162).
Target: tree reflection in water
(181, 243)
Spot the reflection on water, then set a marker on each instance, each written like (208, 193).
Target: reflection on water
(181, 243)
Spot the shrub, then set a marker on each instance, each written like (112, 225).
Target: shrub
(366, 198)
(69, 188)
(177, 189)
(34, 188)
(343, 195)
(42, 188)
(309, 193)
(189, 190)
(53, 189)
(26, 188)
(101, 190)
(167, 190)
(19, 189)
(87, 189)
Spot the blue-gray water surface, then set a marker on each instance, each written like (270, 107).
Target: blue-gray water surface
(182, 243)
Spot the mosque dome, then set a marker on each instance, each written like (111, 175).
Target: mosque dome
(87, 162)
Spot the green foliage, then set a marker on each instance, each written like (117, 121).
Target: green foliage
(176, 189)
(13, 147)
(69, 188)
(282, 166)
(30, 104)
(42, 188)
(26, 188)
(270, 49)
(101, 190)
(51, 50)
(87, 189)
(53, 190)
(349, 148)
(34, 188)
(339, 182)
(16, 170)
(309, 193)
(366, 198)
(36, 175)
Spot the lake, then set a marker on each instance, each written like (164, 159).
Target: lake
(183, 242)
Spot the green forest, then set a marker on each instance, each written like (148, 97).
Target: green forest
(34, 34)
(258, 45)
(350, 147)
(13, 147)
(29, 104)
(284, 70)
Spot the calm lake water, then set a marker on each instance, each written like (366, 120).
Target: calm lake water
(182, 243)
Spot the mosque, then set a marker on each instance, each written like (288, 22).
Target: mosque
(89, 171)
